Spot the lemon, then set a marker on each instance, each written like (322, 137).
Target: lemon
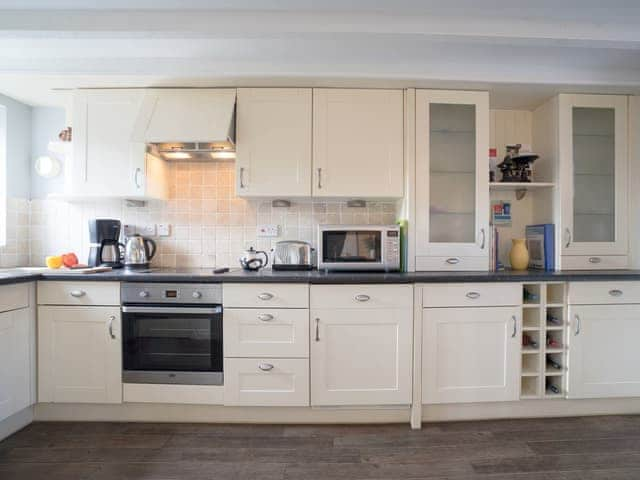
(54, 261)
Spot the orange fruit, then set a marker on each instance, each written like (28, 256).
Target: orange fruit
(54, 261)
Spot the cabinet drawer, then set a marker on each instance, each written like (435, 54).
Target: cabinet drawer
(270, 295)
(603, 262)
(266, 332)
(266, 381)
(362, 296)
(426, 264)
(78, 293)
(604, 293)
(13, 297)
(471, 294)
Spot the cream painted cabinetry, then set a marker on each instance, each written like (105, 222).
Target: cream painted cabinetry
(361, 337)
(107, 161)
(471, 353)
(17, 350)
(452, 185)
(273, 142)
(358, 138)
(604, 325)
(79, 346)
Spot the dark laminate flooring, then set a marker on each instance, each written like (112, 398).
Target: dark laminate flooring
(585, 448)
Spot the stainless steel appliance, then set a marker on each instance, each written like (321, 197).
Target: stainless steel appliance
(292, 255)
(359, 247)
(105, 247)
(172, 333)
(138, 251)
(253, 260)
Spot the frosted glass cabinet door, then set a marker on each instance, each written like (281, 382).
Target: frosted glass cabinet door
(452, 191)
(594, 174)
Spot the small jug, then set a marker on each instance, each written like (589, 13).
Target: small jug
(250, 259)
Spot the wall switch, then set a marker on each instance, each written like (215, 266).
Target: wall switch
(148, 230)
(128, 230)
(268, 230)
(164, 230)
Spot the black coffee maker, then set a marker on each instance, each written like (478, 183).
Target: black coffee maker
(106, 249)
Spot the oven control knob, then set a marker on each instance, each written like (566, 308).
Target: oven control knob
(196, 295)
(144, 294)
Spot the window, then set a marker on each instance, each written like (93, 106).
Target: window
(3, 175)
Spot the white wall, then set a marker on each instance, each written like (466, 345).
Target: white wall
(46, 123)
(18, 147)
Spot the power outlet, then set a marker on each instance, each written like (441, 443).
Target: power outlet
(148, 230)
(269, 230)
(129, 230)
(164, 230)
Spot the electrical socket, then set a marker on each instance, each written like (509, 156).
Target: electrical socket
(269, 230)
(128, 230)
(164, 230)
(149, 230)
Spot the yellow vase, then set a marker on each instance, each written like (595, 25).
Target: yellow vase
(519, 255)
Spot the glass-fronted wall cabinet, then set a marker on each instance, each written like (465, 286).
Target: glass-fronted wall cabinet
(593, 181)
(452, 184)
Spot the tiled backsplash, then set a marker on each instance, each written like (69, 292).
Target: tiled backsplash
(16, 251)
(209, 226)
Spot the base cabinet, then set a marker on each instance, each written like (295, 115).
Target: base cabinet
(15, 361)
(470, 354)
(80, 357)
(603, 351)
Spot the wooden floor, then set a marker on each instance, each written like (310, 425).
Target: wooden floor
(563, 449)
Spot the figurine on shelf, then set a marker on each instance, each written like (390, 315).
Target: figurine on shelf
(516, 166)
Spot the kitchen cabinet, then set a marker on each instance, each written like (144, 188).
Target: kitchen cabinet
(452, 184)
(80, 354)
(16, 334)
(107, 161)
(358, 138)
(273, 153)
(593, 176)
(361, 338)
(471, 354)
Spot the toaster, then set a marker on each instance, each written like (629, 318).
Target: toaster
(292, 255)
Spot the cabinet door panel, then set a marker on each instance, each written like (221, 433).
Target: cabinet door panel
(15, 361)
(603, 351)
(470, 354)
(274, 142)
(361, 357)
(358, 143)
(79, 361)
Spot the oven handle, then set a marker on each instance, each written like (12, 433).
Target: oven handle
(180, 310)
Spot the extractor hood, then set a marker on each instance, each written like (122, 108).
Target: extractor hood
(188, 123)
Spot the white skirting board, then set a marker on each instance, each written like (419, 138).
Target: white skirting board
(16, 422)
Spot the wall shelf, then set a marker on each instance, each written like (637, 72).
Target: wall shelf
(521, 188)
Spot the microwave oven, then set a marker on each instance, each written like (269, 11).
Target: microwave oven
(359, 247)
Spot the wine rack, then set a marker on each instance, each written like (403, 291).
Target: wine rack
(544, 320)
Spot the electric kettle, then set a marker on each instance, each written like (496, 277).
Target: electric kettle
(250, 259)
(138, 251)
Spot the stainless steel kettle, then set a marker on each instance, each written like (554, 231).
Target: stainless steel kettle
(250, 259)
(138, 251)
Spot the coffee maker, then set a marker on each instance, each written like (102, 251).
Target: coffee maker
(105, 249)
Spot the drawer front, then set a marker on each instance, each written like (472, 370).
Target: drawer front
(606, 262)
(603, 293)
(453, 264)
(265, 332)
(362, 296)
(78, 293)
(471, 295)
(266, 382)
(13, 297)
(266, 295)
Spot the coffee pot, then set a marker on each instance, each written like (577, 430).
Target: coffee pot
(251, 259)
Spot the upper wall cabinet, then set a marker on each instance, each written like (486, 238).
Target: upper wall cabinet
(106, 160)
(452, 185)
(358, 140)
(593, 180)
(273, 142)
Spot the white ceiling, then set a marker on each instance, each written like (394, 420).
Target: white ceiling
(522, 54)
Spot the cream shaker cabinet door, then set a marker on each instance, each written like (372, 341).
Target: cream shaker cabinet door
(361, 356)
(471, 354)
(273, 142)
(452, 186)
(603, 351)
(80, 354)
(15, 362)
(593, 145)
(358, 138)
(106, 160)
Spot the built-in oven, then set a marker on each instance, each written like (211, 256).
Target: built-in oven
(359, 247)
(172, 333)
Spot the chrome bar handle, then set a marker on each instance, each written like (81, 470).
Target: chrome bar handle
(473, 295)
(135, 177)
(265, 367)
(319, 177)
(615, 292)
(77, 293)
(577, 325)
(595, 260)
(111, 319)
(265, 296)
(265, 317)
(484, 238)
(453, 261)
(515, 326)
(568, 232)
(362, 298)
(317, 329)
(241, 177)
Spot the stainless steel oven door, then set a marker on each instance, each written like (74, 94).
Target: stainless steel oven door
(172, 344)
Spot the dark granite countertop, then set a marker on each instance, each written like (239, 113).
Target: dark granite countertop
(162, 275)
